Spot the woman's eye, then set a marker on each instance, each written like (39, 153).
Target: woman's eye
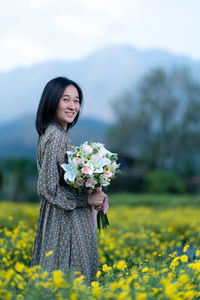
(67, 100)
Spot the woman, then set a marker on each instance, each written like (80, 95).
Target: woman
(65, 237)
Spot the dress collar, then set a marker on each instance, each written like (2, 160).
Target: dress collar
(58, 125)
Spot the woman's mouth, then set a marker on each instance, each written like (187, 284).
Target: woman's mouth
(69, 114)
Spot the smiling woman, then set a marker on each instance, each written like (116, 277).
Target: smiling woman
(65, 237)
(68, 106)
(60, 97)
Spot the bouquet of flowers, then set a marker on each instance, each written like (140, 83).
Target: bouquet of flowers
(91, 166)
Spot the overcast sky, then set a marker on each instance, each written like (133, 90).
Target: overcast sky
(33, 31)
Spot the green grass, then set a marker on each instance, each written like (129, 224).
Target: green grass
(130, 199)
(162, 200)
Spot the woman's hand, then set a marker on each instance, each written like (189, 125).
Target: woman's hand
(96, 199)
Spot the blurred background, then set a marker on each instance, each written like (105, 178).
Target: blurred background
(138, 64)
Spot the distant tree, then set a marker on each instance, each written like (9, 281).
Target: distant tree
(159, 122)
(1, 179)
(17, 173)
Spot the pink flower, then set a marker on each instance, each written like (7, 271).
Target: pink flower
(107, 175)
(89, 183)
(79, 182)
(97, 154)
(85, 170)
(87, 149)
(114, 164)
(77, 160)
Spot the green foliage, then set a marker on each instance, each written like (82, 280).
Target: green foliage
(18, 179)
(158, 120)
(154, 200)
(163, 181)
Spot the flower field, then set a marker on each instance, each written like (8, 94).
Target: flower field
(147, 253)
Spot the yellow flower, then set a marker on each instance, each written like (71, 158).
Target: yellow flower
(49, 253)
(122, 296)
(106, 268)
(9, 296)
(9, 274)
(94, 284)
(141, 296)
(189, 286)
(73, 296)
(44, 274)
(36, 268)
(129, 279)
(96, 291)
(79, 279)
(47, 284)
(185, 248)
(7, 232)
(59, 296)
(155, 291)
(121, 282)
(113, 286)
(164, 270)
(3, 251)
(137, 286)
(170, 290)
(183, 278)
(57, 278)
(134, 274)
(4, 259)
(145, 269)
(184, 258)
(77, 272)
(19, 267)
(98, 274)
(20, 286)
(197, 253)
(20, 297)
(190, 294)
(120, 265)
(79, 153)
(34, 276)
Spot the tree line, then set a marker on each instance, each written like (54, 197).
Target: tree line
(158, 123)
(156, 133)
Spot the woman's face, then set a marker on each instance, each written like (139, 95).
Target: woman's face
(68, 106)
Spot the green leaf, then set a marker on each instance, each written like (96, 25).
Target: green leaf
(119, 172)
(99, 222)
(102, 220)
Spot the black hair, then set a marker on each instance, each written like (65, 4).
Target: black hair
(49, 100)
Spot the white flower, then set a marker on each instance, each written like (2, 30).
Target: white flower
(97, 163)
(90, 182)
(106, 161)
(69, 154)
(87, 149)
(87, 170)
(71, 172)
(90, 165)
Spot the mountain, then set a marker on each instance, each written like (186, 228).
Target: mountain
(19, 137)
(103, 76)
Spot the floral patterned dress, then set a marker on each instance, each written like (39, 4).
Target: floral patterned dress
(65, 224)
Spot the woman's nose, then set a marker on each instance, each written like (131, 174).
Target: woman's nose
(71, 104)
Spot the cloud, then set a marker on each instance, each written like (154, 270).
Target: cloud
(36, 30)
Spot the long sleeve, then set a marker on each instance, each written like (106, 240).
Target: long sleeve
(48, 186)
